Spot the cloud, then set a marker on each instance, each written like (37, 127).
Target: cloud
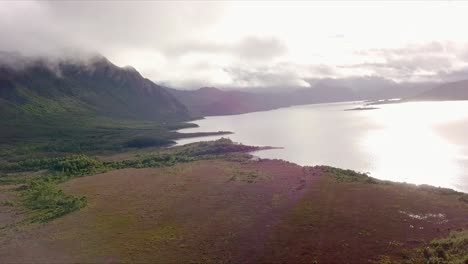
(404, 67)
(249, 48)
(51, 26)
(277, 75)
(162, 39)
(425, 48)
(208, 43)
(416, 62)
(463, 54)
(260, 48)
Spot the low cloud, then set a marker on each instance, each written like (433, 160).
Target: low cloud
(423, 62)
(190, 44)
(424, 48)
(279, 75)
(51, 27)
(250, 48)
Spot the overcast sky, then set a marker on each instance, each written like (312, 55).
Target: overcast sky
(242, 44)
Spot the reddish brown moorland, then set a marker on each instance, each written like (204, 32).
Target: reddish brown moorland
(216, 211)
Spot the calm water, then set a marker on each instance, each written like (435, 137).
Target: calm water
(424, 142)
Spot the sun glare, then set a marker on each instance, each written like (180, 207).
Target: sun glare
(406, 146)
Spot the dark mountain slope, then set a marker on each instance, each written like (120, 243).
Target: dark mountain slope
(71, 106)
(212, 101)
(373, 87)
(97, 87)
(447, 91)
(322, 93)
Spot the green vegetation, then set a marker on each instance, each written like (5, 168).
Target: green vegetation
(249, 176)
(30, 139)
(342, 175)
(453, 249)
(65, 167)
(40, 192)
(218, 147)
(464, 198)
(350, 176)
(221, 148)
(47, 201)
(78, 165)
(58, 168)
(439, 190)
(142, 142)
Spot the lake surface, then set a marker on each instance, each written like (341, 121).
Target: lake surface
(420, 142)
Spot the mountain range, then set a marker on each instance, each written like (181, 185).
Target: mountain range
(210, 101)
(35, 89)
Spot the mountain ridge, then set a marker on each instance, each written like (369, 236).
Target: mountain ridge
(457, 90)
(210, 101)
(41, 89)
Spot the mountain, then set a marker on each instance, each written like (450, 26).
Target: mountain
(447, 91)
(208, 101)
(36, 88)
(213, 101)
(373, 87)
(321, 93)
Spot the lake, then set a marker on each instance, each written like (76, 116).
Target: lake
(417, 142)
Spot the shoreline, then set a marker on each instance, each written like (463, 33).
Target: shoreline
(375, 148)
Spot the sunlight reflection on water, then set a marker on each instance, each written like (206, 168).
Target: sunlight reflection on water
(421, 142)
(407, 147)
